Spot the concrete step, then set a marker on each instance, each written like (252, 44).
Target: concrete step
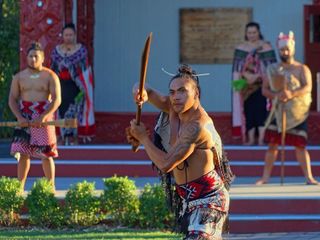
(138, 168)
(291, 207)
(274, 223)
(124, 152)
(274, 198)
(107, 160)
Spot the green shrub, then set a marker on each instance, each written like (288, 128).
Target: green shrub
(43, 207)
(9, 60)
(11, 200)
(82, 207)
(154, 212)
(120, 200)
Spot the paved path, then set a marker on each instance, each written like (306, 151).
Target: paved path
(63, 183)
(275, 190)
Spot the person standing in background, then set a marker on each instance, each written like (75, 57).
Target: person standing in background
(33, 99)
(249, 110)
(291, 94)
(70, 61)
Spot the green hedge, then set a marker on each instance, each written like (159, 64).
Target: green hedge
(154, 212)
(120, 204)
(81, 206)
(11, 201)
(120, 200)
(44, 208)
(9, 60)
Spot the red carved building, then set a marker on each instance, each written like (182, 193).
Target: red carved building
(43, 20)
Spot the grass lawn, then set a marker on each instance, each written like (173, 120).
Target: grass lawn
(101, 233)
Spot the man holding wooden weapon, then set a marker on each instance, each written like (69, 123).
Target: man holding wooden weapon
(194, 155)
(289, 85)
(34, 97)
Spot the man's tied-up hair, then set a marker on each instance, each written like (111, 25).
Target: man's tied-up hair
(185, 71)
(35, 46)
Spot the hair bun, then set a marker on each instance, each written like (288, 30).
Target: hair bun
(35, 46)
(185, 69)
(70, 26)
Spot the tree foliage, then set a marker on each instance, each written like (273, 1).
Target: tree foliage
(9, 60)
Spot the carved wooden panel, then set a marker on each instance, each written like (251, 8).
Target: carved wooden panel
(40, 20)
(209, 35)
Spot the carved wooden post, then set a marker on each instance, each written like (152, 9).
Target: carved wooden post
(85, 25)
(41, 21)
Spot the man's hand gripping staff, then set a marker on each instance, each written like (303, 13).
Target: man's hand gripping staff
(140, 97)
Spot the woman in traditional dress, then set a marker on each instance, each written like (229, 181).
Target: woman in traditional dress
(70, 61)
(249, 105)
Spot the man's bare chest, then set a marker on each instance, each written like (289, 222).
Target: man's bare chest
(34, 84)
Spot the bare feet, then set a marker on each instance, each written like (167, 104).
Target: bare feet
(248, 143)
(71, 141)
(312, 182)
(86, 140)
(60, 141)
(261, 182)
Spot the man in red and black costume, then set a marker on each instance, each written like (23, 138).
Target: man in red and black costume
(34, 97)
(192, 151)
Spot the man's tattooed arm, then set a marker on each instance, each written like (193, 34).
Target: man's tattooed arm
(179, 152)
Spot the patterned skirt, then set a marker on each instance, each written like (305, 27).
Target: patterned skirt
(205, 207)
(34, 142)
(294, 137)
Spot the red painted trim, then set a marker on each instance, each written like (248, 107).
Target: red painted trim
(68, 6)
(269, 226)
(233, 155)
(92, 170)
(102, 154)
(111, 126)
(85, 26)
(275, 206)
(311, 49)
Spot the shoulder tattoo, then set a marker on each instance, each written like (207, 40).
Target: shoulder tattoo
(187, 138)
